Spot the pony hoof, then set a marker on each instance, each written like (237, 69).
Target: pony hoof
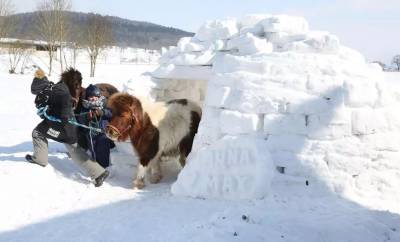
(138, 184)
(156, 178)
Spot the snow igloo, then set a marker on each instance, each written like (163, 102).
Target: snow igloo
(281, 104)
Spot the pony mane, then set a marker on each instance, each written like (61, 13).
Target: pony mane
(140, 107)
(155, 110)
(124, 102)
(73, 79)
(71, 75)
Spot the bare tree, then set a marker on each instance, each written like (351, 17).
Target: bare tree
(17, 52)
(97, 36)
(6, 9)
(76, 44)
(396, 61)
(52, 26)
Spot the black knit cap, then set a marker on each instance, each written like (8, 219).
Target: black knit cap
(93, 91)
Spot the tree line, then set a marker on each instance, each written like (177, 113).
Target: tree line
(55, 28)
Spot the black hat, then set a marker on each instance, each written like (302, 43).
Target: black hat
(92, 91)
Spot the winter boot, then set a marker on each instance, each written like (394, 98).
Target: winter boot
(100, 179)
(30, 159)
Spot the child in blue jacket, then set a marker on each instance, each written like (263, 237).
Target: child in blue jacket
(95, 114)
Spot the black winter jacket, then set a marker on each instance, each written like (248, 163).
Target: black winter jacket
(60, 107)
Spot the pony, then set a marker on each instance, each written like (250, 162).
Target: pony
(73, 79)
(155, 129)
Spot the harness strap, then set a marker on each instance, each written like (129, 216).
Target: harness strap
(43, 112)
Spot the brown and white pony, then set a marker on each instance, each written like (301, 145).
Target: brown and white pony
(154, 129)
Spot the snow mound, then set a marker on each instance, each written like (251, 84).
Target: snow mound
(320, 110)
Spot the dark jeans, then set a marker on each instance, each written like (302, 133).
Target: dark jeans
(100, 149)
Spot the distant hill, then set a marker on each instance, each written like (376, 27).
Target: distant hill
(126, 32)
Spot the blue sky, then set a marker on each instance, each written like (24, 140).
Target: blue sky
(370, 26)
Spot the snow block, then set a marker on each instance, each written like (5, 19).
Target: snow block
(230, 63)
(388, 141)
(288, 142)
(329, 132)
(354, 166)
(359, 93)
(178, 88)
(234, 122)
(323, 83)
(143, 86)
(212, 115)
(338, 116)
(285, 124)
(217, 29)
(330, 125)
(366, 121)
(251, 20)
(190, 59)
(171, 71)
(312, 42)
(240, 80)
(217, 95)
(257, 101)
(206, 136)
(232, 168)
(302, 103)
(285, 23)
(280, 39)
(182, 43)
(248, 44)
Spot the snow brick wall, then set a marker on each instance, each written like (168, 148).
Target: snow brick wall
(282, 102)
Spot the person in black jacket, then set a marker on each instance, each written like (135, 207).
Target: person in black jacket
(95, 114)
(61, 130)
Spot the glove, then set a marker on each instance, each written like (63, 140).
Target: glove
(90, 115)
(93, 114)
(99, 112)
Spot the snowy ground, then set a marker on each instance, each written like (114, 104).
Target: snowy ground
(58, 203)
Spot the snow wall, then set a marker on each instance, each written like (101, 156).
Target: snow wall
(281, 103)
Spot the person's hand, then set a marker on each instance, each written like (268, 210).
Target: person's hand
(90, 115)
(96, 113)
(99, 112)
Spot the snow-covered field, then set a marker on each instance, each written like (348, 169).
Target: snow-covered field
(59, 203)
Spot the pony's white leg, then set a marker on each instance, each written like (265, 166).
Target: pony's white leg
(141, 173)
(155, 171)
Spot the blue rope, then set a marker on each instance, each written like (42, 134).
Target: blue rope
(43, 112)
